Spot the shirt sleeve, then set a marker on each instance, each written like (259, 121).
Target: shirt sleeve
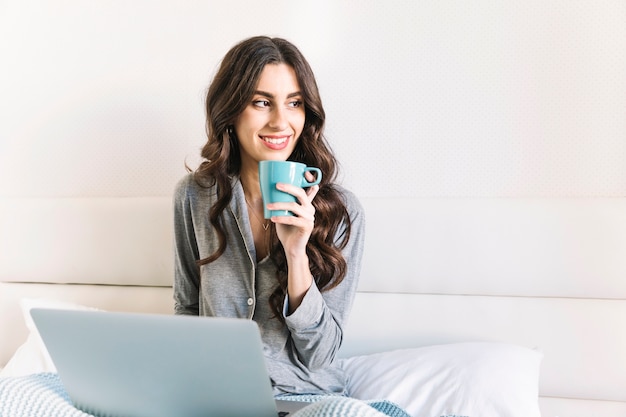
(317, 325)
(186, 271)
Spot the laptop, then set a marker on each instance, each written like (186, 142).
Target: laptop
(155, 365)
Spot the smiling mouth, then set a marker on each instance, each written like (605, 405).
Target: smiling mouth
(275, 140)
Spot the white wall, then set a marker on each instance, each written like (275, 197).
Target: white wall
(441, 98)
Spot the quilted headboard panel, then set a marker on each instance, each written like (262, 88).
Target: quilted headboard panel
(107, 241)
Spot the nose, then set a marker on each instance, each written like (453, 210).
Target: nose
(278, 119)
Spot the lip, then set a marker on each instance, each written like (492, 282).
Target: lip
(275, 142)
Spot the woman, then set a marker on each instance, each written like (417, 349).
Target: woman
(295, 276)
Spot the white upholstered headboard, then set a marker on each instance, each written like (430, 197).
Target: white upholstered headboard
(543, 273)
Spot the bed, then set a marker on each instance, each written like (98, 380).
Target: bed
(479, 307)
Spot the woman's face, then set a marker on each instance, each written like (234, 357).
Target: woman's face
(272, 122)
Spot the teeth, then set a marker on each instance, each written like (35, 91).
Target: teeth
(275, 141)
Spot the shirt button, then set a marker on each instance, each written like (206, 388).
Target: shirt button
(250, 301)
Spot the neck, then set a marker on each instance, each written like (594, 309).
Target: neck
(250, 183)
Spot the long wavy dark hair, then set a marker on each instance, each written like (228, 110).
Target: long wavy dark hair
(228, 95)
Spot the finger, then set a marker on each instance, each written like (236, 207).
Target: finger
(290, 188)
(299, 210)
(303, 223)
(303, 196)
(309, 176)
(312, 192)
(298, 192)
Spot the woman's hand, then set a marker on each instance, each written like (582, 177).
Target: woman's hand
(294, 233)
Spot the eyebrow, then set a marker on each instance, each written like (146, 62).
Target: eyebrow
(270, 95)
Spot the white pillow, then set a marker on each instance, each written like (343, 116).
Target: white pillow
(459, 379)
(32, 356)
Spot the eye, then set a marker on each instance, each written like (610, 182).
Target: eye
(295, 103)
(261, 103)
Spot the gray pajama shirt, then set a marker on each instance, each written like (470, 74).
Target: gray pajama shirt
(301, 355)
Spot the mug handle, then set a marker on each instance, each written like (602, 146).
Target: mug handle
(317, 180)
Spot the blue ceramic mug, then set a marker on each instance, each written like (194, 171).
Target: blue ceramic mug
(286, 172)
